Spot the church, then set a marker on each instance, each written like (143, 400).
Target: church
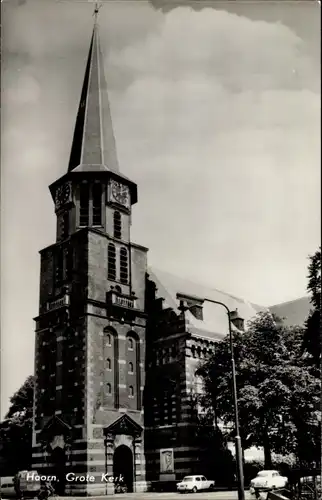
(117, 343)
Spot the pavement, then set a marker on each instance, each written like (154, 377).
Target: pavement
(207, 495)
(211, 495)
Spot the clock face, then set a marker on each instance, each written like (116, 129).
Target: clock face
(120, 194)
(63, 195)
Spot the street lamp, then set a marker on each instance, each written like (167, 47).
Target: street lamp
(239, 452)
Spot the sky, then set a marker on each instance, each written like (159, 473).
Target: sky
(216, 113)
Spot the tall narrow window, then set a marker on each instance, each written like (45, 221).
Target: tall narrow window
(69, 261)
(124, 271)
(130, 344)
(108, 389)
(169, 407)
(117, 225)
(60, 227)
(108, 364)
(130, 367)
(59, 265)
(97, 204)
(131, 391)
(111, 262)
(84, 205)
(178, 408)
(161, 410)
(65, 231)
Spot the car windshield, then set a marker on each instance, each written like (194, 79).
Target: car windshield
(188, 478)
(264, 473)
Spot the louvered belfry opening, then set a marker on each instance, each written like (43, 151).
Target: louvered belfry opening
(111, 257)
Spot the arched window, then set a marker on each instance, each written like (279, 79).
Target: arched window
(109, 372)
(111, 262)
(133, 371)
(124, 268)
(84, 205)
(117, 225)
(97, 204)
(199, 384)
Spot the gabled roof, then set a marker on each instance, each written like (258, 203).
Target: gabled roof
(55, 425)
(214, 324)
(124, 425)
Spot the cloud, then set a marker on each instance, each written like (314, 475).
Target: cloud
(225, 47)
(23, 89)
(46, 28)
(221, 127)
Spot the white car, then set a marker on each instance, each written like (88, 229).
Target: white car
(194, 484)
(268, 480)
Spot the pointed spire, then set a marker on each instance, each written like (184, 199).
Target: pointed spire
(93, 146)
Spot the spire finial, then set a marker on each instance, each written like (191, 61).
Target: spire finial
(96, 11)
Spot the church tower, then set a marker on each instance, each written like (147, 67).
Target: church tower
(90, 330)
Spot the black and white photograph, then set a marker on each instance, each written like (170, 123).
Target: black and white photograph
(160, 249)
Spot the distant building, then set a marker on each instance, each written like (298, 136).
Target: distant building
(293, 312)
(115, 355)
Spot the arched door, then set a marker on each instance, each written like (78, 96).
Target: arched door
(58, 458)
(123, 466)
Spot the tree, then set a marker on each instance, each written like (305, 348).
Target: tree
(22, 400)
(312, 337)
(278, 391)
(16, 430)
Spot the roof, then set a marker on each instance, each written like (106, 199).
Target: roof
(93, 140)
(214, 324)
(293, 312)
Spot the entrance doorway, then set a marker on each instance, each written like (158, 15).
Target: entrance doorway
(58, 458)
(123, 466)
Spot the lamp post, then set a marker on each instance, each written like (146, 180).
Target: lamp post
(105, 453)
(134, 465)
(239, 452)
